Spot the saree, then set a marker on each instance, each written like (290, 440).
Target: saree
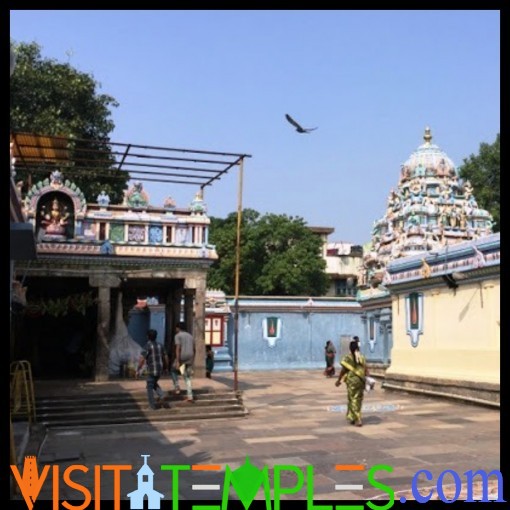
(355, 382)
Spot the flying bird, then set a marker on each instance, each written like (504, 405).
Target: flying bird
(299, 128)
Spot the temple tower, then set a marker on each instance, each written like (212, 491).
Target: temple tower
(431, 207)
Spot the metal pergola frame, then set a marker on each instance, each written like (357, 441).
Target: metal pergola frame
(36, 153)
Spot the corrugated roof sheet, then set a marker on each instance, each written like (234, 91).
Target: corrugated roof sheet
(29, 148)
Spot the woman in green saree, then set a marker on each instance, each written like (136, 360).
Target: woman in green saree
(354, 370)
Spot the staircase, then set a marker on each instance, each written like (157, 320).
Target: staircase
(127, 407)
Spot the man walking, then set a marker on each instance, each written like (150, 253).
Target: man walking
(185, 355)
(156, 359)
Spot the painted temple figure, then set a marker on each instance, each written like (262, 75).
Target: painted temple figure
(55, 218)
(103, 199)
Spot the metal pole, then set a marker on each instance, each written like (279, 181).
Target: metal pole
(237, 271)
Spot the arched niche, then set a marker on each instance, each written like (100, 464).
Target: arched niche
(55, 216)
(38, 202)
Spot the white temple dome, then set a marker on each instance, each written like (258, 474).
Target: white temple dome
(428, 160)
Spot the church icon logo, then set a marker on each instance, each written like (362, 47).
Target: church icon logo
(145, 489)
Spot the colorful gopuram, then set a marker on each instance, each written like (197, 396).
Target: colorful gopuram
(431, 207)
(431, 285)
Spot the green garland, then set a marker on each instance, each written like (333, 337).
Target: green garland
(59, 307)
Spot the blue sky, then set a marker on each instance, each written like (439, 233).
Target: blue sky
(223, 80)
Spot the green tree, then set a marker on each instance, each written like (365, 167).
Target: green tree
(280, 256)
(483, 171)
(52, 98)
(223, 233)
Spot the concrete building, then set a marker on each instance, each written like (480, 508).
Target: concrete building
(343, 263)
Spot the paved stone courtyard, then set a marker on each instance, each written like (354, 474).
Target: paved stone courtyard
(295, 418)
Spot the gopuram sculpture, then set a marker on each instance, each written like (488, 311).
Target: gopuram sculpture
(430, 207)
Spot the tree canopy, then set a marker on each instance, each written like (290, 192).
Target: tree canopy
(48, 97)
(280, 256)
(483, 170)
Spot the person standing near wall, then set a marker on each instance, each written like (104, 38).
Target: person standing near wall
(330, 355)
(209, 361)
(185, 356)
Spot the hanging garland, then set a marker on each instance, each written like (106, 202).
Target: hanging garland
(59, 307)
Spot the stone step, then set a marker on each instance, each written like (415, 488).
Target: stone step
(119, 398)
(81, 411)
(122, 405)
(81, 415)
(128, 407)
(149, 416)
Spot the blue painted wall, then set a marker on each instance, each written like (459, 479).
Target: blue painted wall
(304, 332)
(157, 321)
(140, 321)
(138, 324)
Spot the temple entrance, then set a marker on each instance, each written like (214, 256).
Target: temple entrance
(56, 331)
(145, 303)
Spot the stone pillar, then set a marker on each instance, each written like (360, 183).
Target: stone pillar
(104, 283)
(199, 328)
(198, 284)
(188, 309)
(385, 320)
(364, 321)
(103, 334)
(173, 314)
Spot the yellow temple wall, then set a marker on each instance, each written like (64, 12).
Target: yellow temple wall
(461, 333)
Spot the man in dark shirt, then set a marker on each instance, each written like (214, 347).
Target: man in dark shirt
(156, 359)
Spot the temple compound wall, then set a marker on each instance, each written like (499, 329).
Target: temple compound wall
(446, 322)
(290, 333)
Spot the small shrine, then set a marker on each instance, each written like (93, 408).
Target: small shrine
(59, 212)
(431, 207)
(104, 261)
(94, 253)
(217, 316)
